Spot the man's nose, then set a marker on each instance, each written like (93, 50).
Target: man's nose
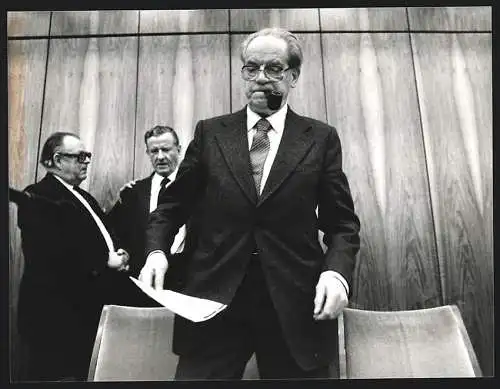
(162, 154)
(261, 76)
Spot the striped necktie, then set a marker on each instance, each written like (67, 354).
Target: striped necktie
(259, 151)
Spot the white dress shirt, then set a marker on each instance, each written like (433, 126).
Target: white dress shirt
(277, 121)
(179, 239)
(105, 233)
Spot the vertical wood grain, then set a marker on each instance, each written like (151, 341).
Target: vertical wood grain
(298, 19)
(182, 79)
(26, 73)
(198, 20)
(450, 18)
(308, 97)
(371, 100)
(454, 83)
(183, 87)
(26, 23)
(91, 90)
(82, 22)
(363, 19)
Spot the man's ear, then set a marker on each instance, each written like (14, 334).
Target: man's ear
(55, 161)
(295, 72)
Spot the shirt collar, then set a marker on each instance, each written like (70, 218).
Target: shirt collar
(156, 180)
(277, 119)
(70, 187)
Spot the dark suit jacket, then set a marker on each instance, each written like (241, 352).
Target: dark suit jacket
(129, 218)
(214, 186)
(66, 280)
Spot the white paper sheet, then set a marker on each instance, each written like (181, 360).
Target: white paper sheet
(192, 308)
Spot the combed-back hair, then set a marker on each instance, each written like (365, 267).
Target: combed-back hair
(293, 44)
(54, 141)
(158, 130)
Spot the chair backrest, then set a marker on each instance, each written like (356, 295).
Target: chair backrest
(133, 344)
(431, 342)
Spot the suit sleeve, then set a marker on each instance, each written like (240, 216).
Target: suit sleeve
(178, 200)
(119, 220)
(337, 217)
(49, 241)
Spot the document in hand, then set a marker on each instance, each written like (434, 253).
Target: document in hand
(192, 308)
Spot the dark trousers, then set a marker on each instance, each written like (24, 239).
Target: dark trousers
(225, 343)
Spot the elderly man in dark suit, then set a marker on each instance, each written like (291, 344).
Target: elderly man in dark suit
(129, 216)
(258, 185)
(72, 264)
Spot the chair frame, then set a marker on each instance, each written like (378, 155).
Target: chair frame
(461, 327)
(97, 344)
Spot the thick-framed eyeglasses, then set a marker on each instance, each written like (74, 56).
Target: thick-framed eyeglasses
(272, 72)
(81, 157)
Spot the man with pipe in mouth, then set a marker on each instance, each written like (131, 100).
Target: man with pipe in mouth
(257, 186)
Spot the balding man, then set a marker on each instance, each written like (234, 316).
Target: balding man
(73, 264)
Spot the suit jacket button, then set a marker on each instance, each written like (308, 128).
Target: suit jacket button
(94, 273)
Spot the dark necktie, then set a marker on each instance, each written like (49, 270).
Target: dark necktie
(259, 151)
(163, 185)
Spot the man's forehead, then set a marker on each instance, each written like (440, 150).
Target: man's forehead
(72, 142)
(166, 138)
(264, 46)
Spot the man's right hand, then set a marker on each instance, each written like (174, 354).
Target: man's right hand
(154, 270)
(129, 184)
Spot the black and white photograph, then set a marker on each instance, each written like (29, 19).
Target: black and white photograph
(250, 194)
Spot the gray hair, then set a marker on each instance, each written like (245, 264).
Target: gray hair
(293, 44)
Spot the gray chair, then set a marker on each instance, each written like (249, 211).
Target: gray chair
(423, 343)
(135, 344)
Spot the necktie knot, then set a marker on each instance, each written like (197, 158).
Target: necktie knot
(263, 125)
(164, 182)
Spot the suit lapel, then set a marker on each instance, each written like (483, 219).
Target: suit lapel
(295, 143)
(60, 192)
(233, 143)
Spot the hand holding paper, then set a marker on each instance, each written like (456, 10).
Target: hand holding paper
(191, 308)
(154, 270)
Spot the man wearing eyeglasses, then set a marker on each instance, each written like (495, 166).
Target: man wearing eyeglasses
(252, 182)
(72, 264)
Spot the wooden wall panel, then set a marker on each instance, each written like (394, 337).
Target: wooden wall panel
(24, 23)
(251, 20)
(26, 74)
(454, 83)
(178, 89)
(450, 18)
(363, 19)
(192, 20)
(94, 22)
(308, 97)
(91, 90)
(371, 99)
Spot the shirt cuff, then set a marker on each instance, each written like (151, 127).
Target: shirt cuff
(154, 252)
(342, 280)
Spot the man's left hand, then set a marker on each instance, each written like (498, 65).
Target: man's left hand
(331, 297)
(119, 260)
